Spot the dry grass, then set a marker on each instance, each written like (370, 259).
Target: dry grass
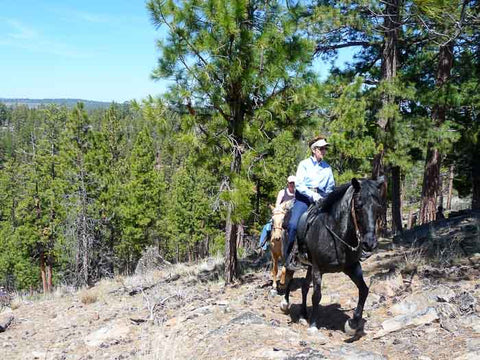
(88, 297)
(16, 303)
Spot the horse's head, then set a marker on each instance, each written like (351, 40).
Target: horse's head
(278, 214)
(366, 208)
(277, 219)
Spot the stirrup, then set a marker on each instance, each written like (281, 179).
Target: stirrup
(303, 258)
(294, 267)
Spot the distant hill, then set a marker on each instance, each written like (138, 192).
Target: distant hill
(33, 103)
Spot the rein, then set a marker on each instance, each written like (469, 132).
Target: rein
(357, 230)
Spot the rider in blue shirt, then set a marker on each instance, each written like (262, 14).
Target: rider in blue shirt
(314, 182)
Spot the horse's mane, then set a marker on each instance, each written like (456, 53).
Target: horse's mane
(334, 196)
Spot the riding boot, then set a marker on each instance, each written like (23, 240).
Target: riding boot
(291, 263)
(303, 252)
(303, 258)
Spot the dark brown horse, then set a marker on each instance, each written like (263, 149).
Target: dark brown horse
(343, 227)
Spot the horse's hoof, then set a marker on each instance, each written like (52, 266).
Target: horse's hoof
(284, 306)
(273, 292)
(349, 329)
(303, 321)
(312, 330)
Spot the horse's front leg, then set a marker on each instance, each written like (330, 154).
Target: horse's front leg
(285, 304)
(316, 297)
(355, 325)
(305, 287)
(274, 270)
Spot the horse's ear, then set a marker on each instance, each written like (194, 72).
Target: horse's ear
(271, 207)
(356, 184)
(380, 180)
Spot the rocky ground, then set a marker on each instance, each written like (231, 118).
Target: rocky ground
(423, 304)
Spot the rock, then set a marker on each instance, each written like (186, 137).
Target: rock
(420, 301)
(449, 325)
(471, 321)
(171, 322)
(353, 353)
(5, 320)
(441, 293)
(221, 303)
(466, 303)
(448, 314)
(386, 284)
(270, 354)
(474, 355)
(473, 344)
(447, 311)
(373, 301)
(403, 321)
(106, 334)
(38, 355)
(309, 354)
(247, 318)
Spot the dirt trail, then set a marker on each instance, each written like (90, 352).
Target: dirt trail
(184, 313)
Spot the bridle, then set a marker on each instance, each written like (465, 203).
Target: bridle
(278, 228)
(358, 235)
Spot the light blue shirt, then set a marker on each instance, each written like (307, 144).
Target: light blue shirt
(314, 174)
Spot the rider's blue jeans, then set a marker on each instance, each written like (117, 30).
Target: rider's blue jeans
(299, 207)
(267, 229)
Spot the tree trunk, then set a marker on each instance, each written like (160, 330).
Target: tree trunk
(430, 186)
(258, 194)
(230, 247)
(231, 228)
(43, 273)
(396, 200)
(240, 233)
(431, 176)
(476, 183)
(379, 170)
(410, 219)
(389, 73)
(450, 187)
(49, 278)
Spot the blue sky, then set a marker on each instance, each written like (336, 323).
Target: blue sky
(96, 50)
(93, 50)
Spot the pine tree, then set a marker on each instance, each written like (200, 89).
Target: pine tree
(446, 32)
(245, 66)
(80, 223)
(140, 206)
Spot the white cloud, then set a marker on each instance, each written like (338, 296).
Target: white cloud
(69, 15)
(25, 37)
(20, 31)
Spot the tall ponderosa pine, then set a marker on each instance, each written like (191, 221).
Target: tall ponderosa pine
(372, 29)
(239, 67)
(445, 23)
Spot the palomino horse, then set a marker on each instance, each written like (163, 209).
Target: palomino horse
(345, 224)
(276, 241)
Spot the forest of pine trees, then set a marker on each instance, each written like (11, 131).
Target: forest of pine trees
(83, 193)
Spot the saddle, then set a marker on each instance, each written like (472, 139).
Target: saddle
(307, 219)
